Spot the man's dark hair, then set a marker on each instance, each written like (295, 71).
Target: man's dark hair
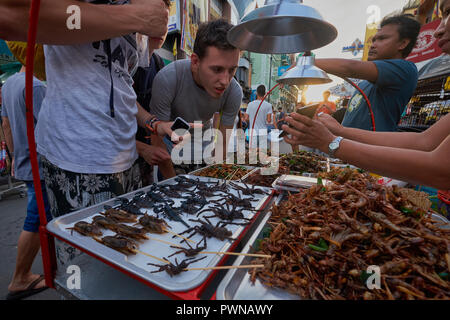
(167, 3)
(261, 90)
(408, 28)
(212, 34)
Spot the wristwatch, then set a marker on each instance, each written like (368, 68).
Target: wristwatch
(333, 146)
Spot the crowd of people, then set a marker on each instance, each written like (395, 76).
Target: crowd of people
(100, 130)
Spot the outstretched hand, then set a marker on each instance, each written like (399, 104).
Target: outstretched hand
(307, 132)
(153, 17)
(331, 123)
(155, 155)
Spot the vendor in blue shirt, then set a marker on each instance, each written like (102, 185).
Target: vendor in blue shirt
(390, 80)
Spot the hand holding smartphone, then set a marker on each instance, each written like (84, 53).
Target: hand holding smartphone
(180, 123)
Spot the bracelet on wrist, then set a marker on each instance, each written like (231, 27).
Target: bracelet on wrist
(150, 124)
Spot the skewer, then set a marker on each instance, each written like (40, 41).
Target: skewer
(149, 255)
(228, 177)
(226, 267)
(138, 251)
(239, 254)
(214, 252)
(167, 242)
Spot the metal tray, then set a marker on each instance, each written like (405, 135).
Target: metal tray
(194, 173)
(137, 264)
(236, 284)
(255, 171)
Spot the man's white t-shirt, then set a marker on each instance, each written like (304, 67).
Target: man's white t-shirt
(83, 127)
(260, 127)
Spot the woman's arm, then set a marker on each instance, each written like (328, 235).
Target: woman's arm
(422, 167)
(431, 168)
(425, 141)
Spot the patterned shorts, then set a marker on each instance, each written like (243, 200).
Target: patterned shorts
(70, 191)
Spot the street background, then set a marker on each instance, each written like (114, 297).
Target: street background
(12, 215)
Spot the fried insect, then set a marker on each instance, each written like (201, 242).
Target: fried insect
(128, 206)
(153, 225)
(86, 229)
(224, 171)
(119, 215)
(104, 221)
(226, 212)
(238, 201)
(191, 252)
(129, 231)
(248, 191)
(323, 240)
(208, 230)
(119, 243)
(177, 268)
(169, 212)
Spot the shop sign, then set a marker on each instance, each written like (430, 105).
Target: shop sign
(427, 45)
(282, 70)
(195, 12)
(174, 17)
(355, 48)
(371, 31)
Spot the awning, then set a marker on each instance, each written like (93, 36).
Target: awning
(244, 63)
(435, 68)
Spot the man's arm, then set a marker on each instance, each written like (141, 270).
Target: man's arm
(365, 70)
(97, 22)
(9, 140)
(426, 141)
(156, 153)
(8, 134)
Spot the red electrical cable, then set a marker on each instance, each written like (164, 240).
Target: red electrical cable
(257, 110)
(365, 98)
(32, 31)
(47, 244)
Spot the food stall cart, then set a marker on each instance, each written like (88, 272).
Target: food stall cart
(108, 266)
(105, 273)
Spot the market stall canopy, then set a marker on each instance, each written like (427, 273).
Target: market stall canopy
(242, 6)
(8, 70)
(435, 68)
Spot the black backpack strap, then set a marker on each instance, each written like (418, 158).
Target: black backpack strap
(159, 62)
(111, 92)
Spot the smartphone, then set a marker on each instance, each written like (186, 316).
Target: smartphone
(282, 132)
(180, 123)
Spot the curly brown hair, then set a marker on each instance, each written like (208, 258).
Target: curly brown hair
(212, 34)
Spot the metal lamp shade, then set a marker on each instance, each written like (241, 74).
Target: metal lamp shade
(282, 26)
(304, 73)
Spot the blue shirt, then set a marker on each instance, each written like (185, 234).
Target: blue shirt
(389, 95)
(13, 97)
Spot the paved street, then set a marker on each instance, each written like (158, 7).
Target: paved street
(12, 215)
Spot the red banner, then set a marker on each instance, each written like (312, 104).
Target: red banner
(427, 45)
